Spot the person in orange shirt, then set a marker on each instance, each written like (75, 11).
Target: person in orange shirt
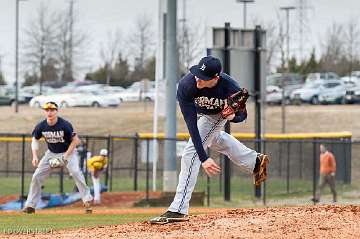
(327, 173)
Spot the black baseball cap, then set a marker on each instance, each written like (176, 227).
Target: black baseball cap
(208, 68)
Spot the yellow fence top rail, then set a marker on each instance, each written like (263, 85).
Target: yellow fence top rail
(184, 136)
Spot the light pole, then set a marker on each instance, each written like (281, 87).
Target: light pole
(244, 8)
(283, 116)
(17, 56)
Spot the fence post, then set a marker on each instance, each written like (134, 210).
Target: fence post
(264, 183)
(147, 169)
(86, 158)
(348, 160)
(23, 172)
(288, 168)
(136, 139)
(301, 159)
(7, 158)
(111, 164)
(314, 169)
(61, 180)
(280, 158)
(208, 183)
(108, 158)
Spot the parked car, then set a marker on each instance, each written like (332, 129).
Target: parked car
(332, 92)
(5, 99)
(352, 94)
(99, 99)
(273, 94)
(9, 91)
(63, 100)
(321, 76)
(288, 81)
(76, 100)
(311, 91)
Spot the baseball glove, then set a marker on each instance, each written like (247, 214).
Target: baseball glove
(235, 103)
(57, 162)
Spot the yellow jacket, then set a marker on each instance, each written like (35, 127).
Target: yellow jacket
(96, 163)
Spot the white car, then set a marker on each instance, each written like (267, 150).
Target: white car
(129, 95)
(332, 92)
(353, 94)
(273, 94)
(63, 100)
(312, 90)
(96, 99)
(312, 77)
(76, 100)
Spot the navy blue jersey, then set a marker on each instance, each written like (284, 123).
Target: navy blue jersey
(58, 137)
(207, 101)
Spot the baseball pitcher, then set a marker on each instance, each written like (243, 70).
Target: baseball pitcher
(208, 99)
(61, 140)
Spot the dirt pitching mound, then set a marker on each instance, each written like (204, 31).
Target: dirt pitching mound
(290, 222)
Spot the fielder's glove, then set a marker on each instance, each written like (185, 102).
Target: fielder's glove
(57, 162)
(235, 103)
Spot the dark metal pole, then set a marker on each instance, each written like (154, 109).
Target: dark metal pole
(264, 184)
(23, 171)
(288, 169)
(136, 162)
(314, 169)
(61, 180)
(7, 158)
(301, 159)
(110, 163)
(17, 57)
(86, 150)
(147, 169)
(109, 140)
(227, 176)
(257, 89)
(208, 185)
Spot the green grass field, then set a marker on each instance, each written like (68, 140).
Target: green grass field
(241, 187)
(52, 222)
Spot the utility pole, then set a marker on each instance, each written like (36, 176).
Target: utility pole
(71, 28)
(283, 112)
(17, 56)
(184, 47)
(244, 9)
(302, 10)
(171, 69)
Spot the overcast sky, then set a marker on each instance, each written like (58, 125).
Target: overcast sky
(98, 18)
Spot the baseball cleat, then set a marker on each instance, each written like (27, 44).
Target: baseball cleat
(88, 209)
(28, 210)
(169, 217)
(261, 175)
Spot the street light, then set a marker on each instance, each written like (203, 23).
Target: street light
(287, 10)
(244, 8)
(17, 56)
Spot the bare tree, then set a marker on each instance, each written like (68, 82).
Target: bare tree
(70, 42)
(40, 40)
(189, 44)
(110, 51)
(352, 41)
(332, 47)
(141, 42)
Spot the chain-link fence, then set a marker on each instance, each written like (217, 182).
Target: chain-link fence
(293, 171)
